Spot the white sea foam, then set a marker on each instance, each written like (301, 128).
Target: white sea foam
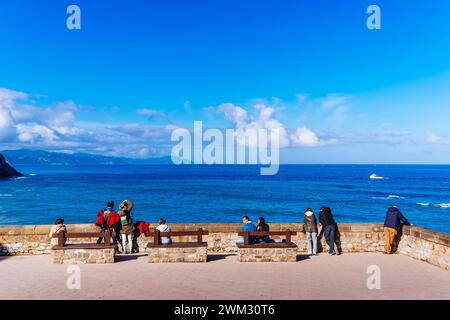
(6, 195)
(443, 205)
(423, 204)
(394, 196)
(439, 205)
(391, 196)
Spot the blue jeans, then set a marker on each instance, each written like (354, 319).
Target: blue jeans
(100, 239)
(311, 238)
(329, 233)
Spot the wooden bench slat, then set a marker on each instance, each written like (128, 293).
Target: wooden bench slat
(178, 245)
(178, 233)
(268, 233)
(268, 245)
(157, 235)
(81, 246)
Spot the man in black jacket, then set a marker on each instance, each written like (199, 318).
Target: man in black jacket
(329, 228)
(392, 225)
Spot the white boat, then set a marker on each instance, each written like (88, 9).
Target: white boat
(373, 176)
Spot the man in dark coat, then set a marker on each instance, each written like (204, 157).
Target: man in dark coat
(329, 228)
(392, 225)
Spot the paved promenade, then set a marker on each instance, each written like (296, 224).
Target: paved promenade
(318, 277)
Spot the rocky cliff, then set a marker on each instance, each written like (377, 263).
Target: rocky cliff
(6, 171)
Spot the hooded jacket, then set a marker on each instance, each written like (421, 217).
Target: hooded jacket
(142, 227)
(326, 217)
(309, 219)
(395, 219)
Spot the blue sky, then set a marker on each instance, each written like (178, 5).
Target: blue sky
(137, 69)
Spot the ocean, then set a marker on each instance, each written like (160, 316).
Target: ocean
(226, 193)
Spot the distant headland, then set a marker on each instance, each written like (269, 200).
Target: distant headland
(6, 170)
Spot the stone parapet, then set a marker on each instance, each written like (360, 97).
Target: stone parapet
(426, 245)
(416, 242)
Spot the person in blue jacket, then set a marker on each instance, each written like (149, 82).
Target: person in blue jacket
(247, 225)
(392, 225)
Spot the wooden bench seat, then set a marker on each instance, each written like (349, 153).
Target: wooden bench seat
(269, 245)
(178, 245)
(94, 246)
(177, 251)
(83, 252)
(285, 251)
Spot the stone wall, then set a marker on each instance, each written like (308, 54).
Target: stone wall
(82, 256)
(268, 254)
(416, 242)
(177, 254)
(426, 245)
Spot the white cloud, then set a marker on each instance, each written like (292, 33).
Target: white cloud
(334, 100)
(150, 113)
(7, 128)
(263, 117)
(304, 137)
(23, 122)
(437, 139)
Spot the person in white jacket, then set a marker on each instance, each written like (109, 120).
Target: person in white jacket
(163, 227)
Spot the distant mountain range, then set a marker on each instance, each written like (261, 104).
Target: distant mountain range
(39, 157)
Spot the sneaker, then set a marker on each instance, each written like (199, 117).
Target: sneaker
(314, 253)
(310, 252)
(331, 253)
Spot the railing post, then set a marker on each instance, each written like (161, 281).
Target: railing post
(156, 237)
(288, 237)
(246, 238)
(107, 235)
(199, 235)
(61, 239)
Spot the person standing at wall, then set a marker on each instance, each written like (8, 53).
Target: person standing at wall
(329, 228)
(127, 225)
(310, 225)
(392, 225)
(108, 220)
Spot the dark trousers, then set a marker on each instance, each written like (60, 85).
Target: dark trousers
(100, 239)
(329, 233)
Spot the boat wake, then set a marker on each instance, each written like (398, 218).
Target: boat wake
(438, 205)
(391, 196)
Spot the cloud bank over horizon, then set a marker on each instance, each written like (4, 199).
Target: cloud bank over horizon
(28, 121)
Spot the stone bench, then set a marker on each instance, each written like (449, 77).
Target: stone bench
(177, 251)
(82, 253)
(267, 252)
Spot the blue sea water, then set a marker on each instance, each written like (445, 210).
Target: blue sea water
(225, 193)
